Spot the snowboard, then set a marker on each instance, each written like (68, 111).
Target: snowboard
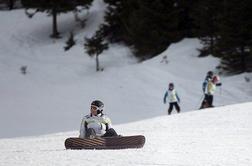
(119, 142)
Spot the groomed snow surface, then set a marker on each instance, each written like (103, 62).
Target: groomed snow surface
(59, 86)
(210, 137)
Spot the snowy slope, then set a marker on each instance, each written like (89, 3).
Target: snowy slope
(210, 137)
(59, 86)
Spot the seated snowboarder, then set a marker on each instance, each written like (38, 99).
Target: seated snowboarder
(96, 123)
(173, 98)
(210, 89)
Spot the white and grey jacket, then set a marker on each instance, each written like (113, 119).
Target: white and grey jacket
(100, 123)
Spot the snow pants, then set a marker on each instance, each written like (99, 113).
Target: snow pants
(109, 133)
(171, 107)
(207, 102)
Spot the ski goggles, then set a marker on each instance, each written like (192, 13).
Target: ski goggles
(94, 107)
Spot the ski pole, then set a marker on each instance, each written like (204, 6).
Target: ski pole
(200, 99)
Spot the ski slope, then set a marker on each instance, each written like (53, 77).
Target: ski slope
(39, 110)
(59, 86)
(210, 137)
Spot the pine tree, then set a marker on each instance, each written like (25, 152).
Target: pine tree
(234, 41)
(149, 26)
(207, 15)
(11, 4)
(94, 46)
(154, 26)
(8, 3)
(187, 22)
(54, 7)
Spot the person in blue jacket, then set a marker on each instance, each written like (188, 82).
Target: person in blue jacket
(173, 98)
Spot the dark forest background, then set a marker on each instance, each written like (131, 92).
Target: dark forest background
(150, 26)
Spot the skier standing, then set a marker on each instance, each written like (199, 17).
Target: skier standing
(173, 98)
(210, 89)
(96, 123)
(208, 78)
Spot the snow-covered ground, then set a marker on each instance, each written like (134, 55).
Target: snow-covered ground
(59, 87)
(220, 136)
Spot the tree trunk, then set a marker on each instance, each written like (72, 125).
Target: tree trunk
(211, 44)
(243, 63)
(55, 33)
(97, 63)
(11, 4)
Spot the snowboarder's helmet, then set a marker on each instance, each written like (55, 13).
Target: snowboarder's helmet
(210, 73)
(97, 104)
(216, 79)
(171, 85)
